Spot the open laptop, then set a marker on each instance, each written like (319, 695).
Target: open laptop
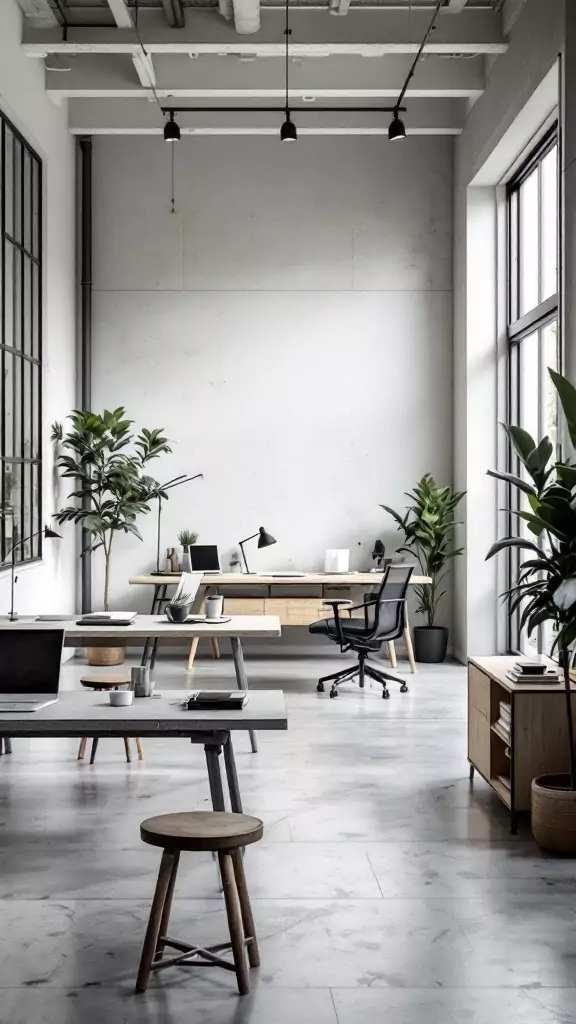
(29, 668)
(205, 558)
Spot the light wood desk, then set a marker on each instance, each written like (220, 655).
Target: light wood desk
(296, 600)
(536, 742)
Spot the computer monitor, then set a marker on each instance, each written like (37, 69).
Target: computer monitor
(204, 558)
(30, 661)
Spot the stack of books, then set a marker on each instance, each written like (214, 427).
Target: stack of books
(503, 722)
(217, 700)
(537, 672)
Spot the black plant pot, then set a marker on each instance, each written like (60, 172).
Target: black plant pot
(177, 612)
(430, 643)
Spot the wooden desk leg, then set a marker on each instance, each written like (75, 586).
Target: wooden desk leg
(242, 678)
(128, 750)
(215, 647)
(392, 653)
(139, 749)
(82, 748)
(408, 641)
(192, 653)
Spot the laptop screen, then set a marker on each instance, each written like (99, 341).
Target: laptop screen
(204, 557)
(30, 660)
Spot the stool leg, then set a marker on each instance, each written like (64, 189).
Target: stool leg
(139, 749)
(94, 749)
(235, 926)
(215, 647)
(127, 749)
(246, 909)
(7, 745)
(82, 748)
(166, 909)
(153, 929)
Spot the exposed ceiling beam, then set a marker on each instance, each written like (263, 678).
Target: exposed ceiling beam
(109, 76)
(40, 12)
(366, 32)
(121, 14)
(142, 61)
(129, 117)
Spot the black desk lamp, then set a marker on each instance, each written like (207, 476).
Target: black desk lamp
(48, 534)
(264, 541)
(183, 479)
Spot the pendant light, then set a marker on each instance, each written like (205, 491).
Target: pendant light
(171, 130)
(396, 130)
(288, 131)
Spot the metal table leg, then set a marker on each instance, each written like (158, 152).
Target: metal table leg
(157, 603)
(144, 660)
(232, 776)
(242, 679)
(212, 750)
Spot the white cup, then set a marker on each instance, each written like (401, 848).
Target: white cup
(214, 606)
(121, 698)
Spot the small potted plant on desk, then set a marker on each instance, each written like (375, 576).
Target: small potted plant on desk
(186, 538)
(545, 591)
(428, 528)
(178, 609)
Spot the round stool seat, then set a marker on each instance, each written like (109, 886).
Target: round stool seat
(201, 830)
(104, 682)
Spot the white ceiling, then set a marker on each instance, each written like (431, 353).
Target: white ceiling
(114, 77)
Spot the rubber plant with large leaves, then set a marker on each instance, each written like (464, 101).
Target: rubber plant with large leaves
(546, 587)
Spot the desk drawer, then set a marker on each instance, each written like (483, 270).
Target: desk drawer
(479, 690)
(244, 605)
(295, 611)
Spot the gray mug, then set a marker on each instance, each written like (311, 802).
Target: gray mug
(141, 683)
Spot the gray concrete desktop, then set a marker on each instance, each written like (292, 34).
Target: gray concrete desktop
(384, 889)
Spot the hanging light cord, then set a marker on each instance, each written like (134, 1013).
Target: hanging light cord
(173, 200)
(145, 52)
(410, 75)
(287, 34)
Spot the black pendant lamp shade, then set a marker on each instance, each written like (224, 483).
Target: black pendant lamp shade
(265, 539)
(396, 131)
(288, 131)
(171, 130)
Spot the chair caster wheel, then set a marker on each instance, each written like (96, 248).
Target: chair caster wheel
(385, 695)
(403, 688)
(333, 692)
(320, 688)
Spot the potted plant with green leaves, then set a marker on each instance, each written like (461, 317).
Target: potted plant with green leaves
(428, 529)
(186, 538)
(545, 591)
(108, 463)
(178, 608)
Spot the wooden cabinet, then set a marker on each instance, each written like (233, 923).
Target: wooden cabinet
(511, 748)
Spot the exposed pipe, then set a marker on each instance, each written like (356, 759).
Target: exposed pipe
(86, 333)
(174, 13)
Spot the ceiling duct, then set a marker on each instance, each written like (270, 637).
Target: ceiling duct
(246, 14)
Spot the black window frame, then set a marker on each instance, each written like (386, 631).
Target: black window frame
(518, 328)
(21, 343)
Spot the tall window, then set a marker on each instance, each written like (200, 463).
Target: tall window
(533, 226)
(20, 344)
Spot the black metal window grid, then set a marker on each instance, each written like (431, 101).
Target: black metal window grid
(20, 345)
(533, 206)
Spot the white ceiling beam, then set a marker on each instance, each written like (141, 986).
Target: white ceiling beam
(368, 32)
(108, 76)
(118, 117)
(121, 13)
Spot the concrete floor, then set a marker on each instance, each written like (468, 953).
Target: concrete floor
(385, 889)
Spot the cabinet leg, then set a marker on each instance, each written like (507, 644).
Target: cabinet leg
(513, 822)
(471, 772)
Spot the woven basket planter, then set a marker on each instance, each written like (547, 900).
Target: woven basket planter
(554, 813)
(105, 655)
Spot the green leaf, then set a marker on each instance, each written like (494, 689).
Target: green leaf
(517, 481)
(521, 441)
(567, 395)
(512, 542)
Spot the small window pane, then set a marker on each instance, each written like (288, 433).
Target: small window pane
(17, 226)
(549, 226)
(36, 525)
(36, 209)
(36, 454)
(27, 306)
(27, 198)
(35, 311)
(530, 385)
(529, 244)
(17, 300)
(9, 179)
(550, 395)
(8, 363)
(8, 326)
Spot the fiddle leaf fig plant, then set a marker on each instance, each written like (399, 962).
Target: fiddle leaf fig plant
(428, 528)
(545, 590)
(108, 463)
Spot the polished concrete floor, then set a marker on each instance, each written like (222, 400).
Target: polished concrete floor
(385, 889)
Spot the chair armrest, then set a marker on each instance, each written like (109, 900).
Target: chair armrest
(335, 605)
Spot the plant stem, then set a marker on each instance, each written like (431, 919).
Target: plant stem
(107, 551)
(568, 690)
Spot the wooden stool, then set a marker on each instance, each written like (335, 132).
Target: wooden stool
(217, 832)
(106, 683)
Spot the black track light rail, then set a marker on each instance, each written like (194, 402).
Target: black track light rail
(309, 109)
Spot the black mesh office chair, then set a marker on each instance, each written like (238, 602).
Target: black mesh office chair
(383, 620)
